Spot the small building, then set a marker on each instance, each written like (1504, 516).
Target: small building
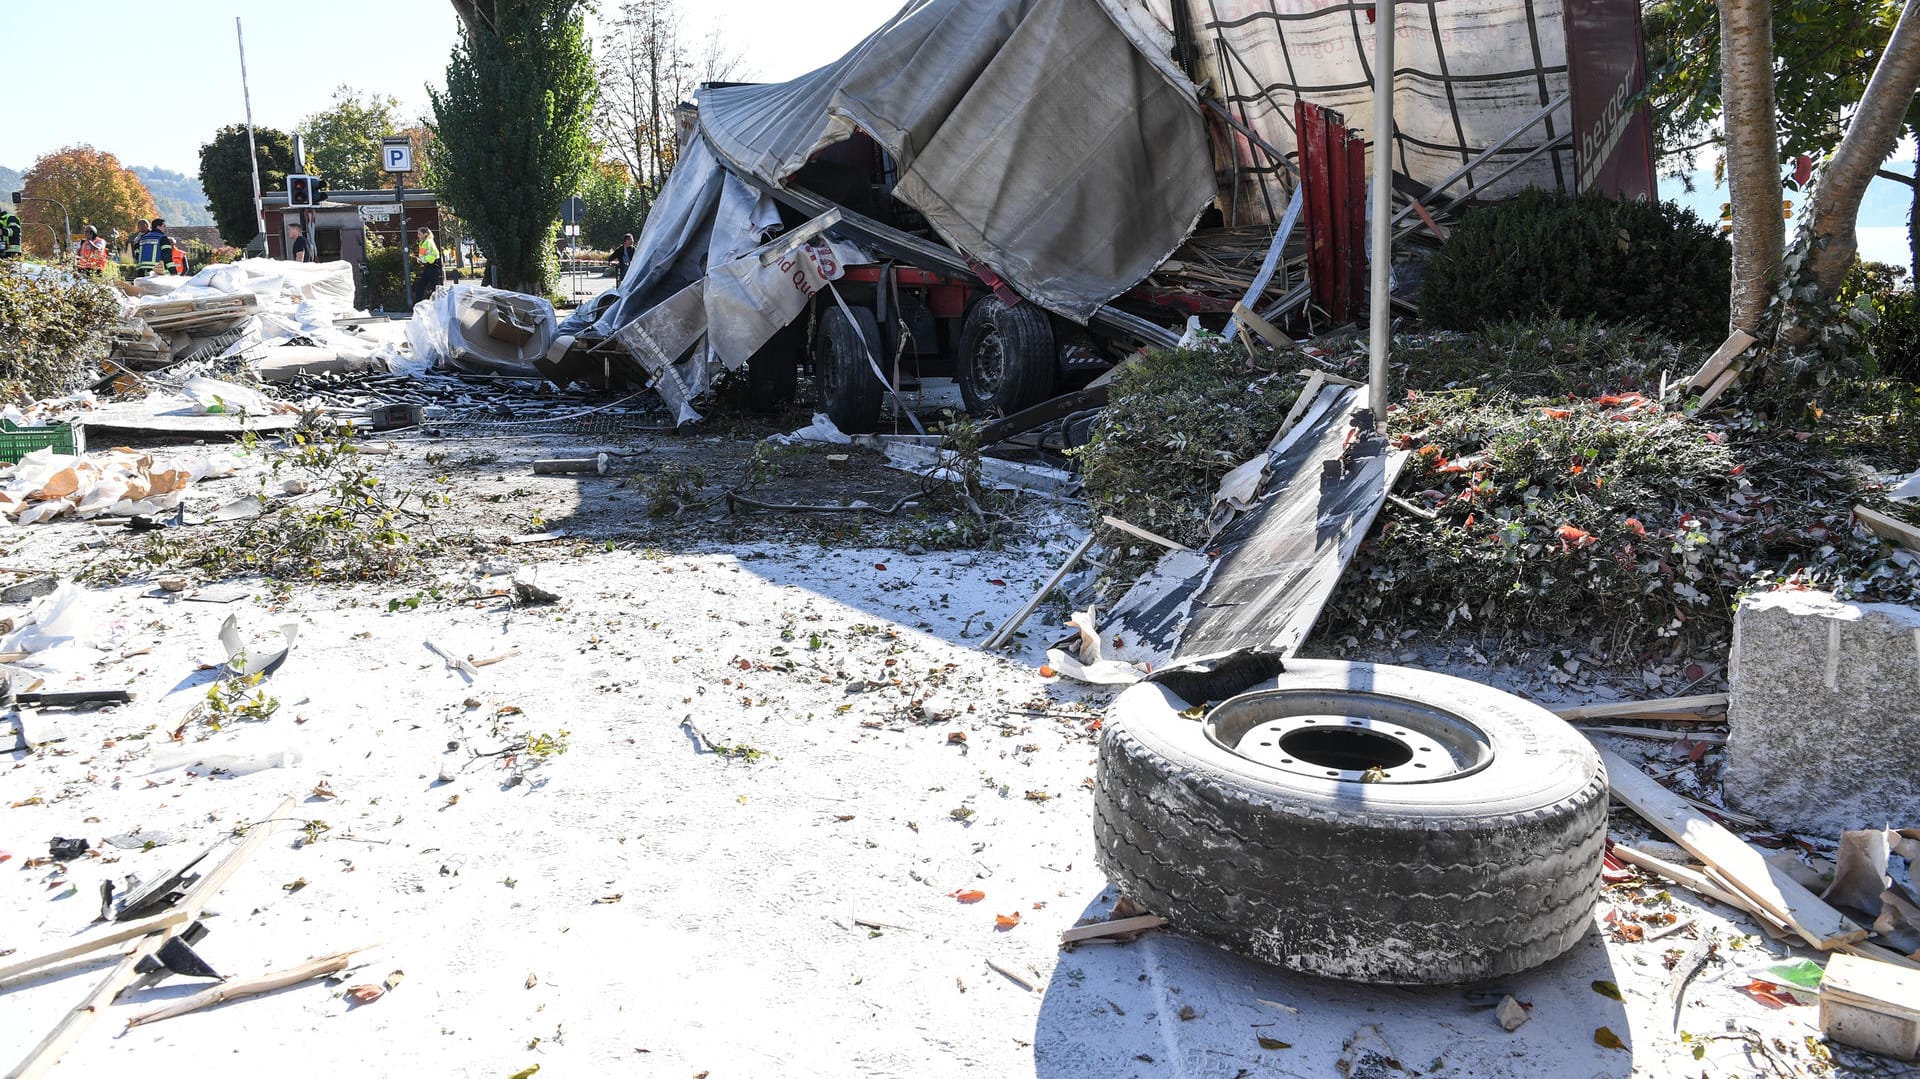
(338, 228)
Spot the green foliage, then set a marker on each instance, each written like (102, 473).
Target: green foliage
(234, 698)
(615, 207)
(343, 139)
(356, 530)
(511, 127)
(53, 329)
(1541, 253)
(386, 278)
(1895, 335)
(1824, 53)
(227, 177)
(673, 489)
(1539, 354)
(1606, 523)
(1178, 420)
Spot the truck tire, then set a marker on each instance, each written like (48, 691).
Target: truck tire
(1471, 852)
(850, 394)
(1006, 360)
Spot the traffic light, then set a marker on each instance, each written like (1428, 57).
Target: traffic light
(299, 190)
(318, 187)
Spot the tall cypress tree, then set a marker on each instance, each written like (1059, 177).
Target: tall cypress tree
(511, 130)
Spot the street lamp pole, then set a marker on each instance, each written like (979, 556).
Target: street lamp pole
(58, 243)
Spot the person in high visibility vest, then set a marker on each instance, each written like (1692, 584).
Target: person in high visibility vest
(9, 234)
(91, 256)
(180, 260)
(153, 251)
(427, 254)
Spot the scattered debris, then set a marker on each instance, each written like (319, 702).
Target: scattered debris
(1873, 1006)
(1511, 1014)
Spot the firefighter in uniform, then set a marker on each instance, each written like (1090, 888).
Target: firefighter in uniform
(9, 234)
(427, 254)
(91, 256)
(153, 251)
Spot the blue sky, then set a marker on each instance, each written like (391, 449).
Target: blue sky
(396, 47)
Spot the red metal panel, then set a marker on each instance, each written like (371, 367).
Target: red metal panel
(1333, 173)
(1606, 71)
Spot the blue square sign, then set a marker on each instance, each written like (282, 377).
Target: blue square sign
(398, 157)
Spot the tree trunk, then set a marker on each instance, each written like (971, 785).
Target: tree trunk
(1913, 216)
(1871, 135)
(1753, 157)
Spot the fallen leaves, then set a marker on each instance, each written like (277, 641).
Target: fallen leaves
(1608, 989)
(1769, 994)
(1006, 921)
(1605, 1038)
(1272, 1043)
(968, 895)
(321, 790)
(614, 898)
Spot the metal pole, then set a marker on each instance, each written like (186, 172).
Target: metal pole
(1380, 317)
(406, 263)
(253, 152)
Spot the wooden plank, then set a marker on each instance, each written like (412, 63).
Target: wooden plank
(1622, 709)
(239, 988)
(1891, 529)
(1736, 343)
(1712, 738)
(61, 1038)
(1139, 923)
(1720, 385)
(1265, 329)
(88, 945)
(1741, 864)
(1141, 533)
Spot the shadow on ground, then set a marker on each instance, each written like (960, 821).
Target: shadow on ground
(1168, 1005)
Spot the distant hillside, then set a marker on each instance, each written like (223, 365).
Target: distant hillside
(9, 183)
(178, 197)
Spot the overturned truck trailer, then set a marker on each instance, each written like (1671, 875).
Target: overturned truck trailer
(992, 189)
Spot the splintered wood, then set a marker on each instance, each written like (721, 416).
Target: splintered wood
(1730, 860)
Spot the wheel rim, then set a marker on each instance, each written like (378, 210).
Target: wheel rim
(1349, 736)
(989, 362)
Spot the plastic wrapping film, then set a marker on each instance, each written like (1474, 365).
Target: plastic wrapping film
(451, 329)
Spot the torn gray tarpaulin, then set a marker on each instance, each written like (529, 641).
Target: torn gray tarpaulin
(261, 659)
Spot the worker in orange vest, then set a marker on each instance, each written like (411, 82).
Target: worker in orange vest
(91, 256)
(180, 260)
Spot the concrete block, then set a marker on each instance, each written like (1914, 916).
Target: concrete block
(1825, 713)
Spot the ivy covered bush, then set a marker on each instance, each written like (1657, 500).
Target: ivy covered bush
(1177, 421)
(1574, 256)
(53, 330)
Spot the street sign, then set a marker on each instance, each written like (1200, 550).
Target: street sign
(572, 210)
(379, 211)
(396, 155)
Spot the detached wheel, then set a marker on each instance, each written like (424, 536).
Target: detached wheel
(1357, 821)
(1006, 360)
(849, 391)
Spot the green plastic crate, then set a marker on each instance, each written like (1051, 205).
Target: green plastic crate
(17, 442)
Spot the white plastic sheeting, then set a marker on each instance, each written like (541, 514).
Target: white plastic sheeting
(449, 329)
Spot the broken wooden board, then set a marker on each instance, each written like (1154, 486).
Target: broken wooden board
(1891, 529)
(1730, 858)
(1139, 923)
(1871, 1006)
(1717, 364)
(1680, 706)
